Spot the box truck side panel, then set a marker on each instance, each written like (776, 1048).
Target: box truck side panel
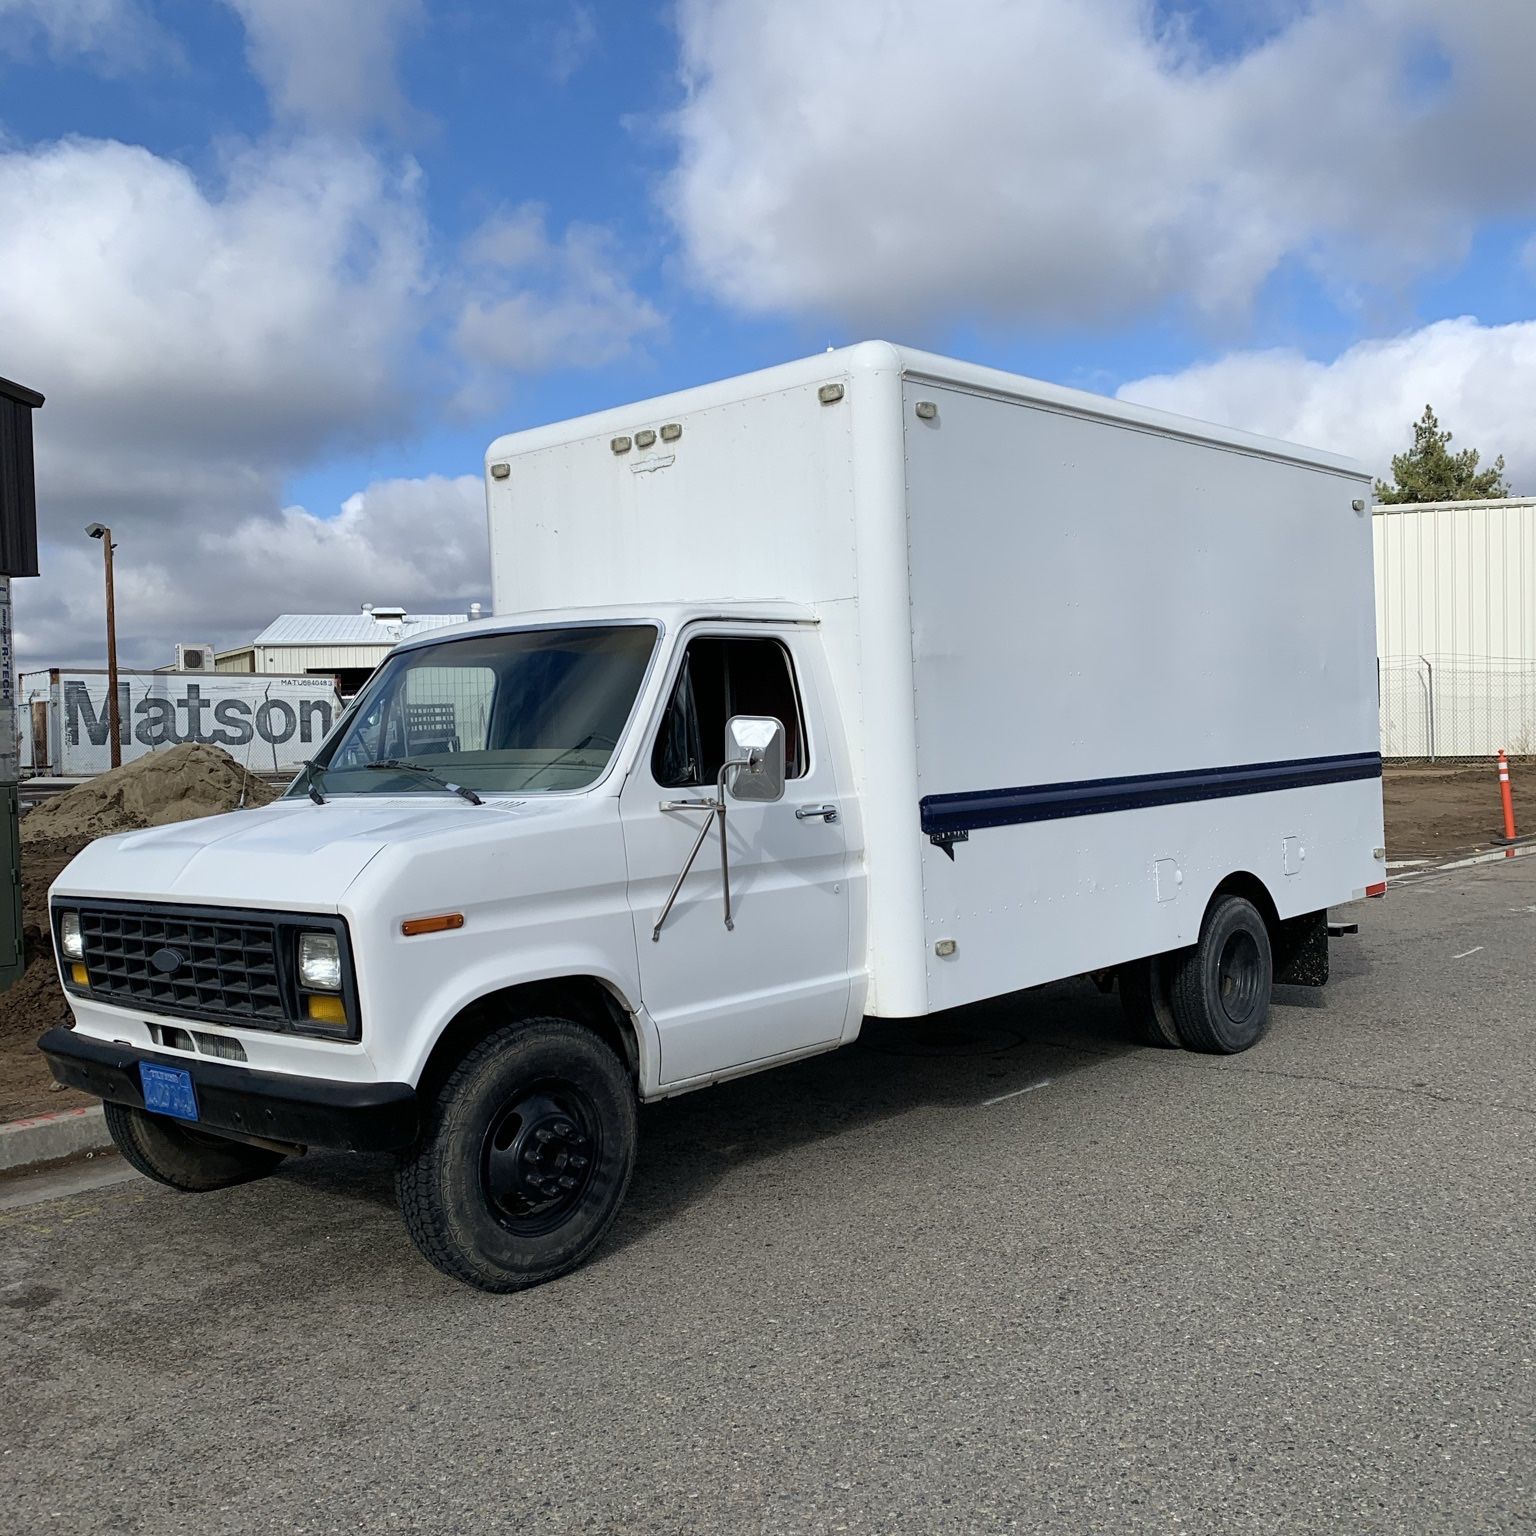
(1142, 663)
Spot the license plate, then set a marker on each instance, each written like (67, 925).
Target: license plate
(168, 1090)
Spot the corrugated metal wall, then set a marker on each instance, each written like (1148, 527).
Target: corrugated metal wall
(320, 658)
(1456, 627)
(1456, 579)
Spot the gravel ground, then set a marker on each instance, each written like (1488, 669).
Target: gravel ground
(1284, 1292)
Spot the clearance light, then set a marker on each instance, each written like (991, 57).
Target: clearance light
(672, 431)
(645, 439)
(1379, 889)
(440, 924)
(326, 1010)
(79, 975)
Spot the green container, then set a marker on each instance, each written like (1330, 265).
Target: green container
(12, 954)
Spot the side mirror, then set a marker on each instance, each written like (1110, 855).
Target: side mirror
(756, 742)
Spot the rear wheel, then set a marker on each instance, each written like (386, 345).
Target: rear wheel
(1146, 1000)
(190, 1160)
(525, 1158)
(1220, 989)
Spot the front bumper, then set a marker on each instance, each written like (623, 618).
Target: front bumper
(308, 1111)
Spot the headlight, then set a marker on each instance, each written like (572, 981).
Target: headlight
(71, 940)
(320, 962)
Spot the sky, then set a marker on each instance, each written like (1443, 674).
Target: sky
(283, 268)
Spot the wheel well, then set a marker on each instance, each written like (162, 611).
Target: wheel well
(1253, 890)
(582, 999)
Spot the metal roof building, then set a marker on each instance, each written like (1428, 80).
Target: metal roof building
(346, 646)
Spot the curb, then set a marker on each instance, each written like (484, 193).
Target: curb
(45, 1138)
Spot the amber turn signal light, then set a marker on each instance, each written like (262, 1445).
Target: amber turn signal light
(326, 1010)
(440, 924)
(79, 975)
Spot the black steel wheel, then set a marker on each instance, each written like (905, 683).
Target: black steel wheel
(1221, 988)
(537, 1157)
(526, 1153)
(187, 1159)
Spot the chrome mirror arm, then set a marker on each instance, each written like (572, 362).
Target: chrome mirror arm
(716, 809)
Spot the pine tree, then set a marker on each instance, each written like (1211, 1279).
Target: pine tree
(1430, 472)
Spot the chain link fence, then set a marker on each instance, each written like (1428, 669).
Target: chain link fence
(1449, 708)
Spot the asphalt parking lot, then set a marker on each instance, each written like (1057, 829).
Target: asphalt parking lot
(997, 1271)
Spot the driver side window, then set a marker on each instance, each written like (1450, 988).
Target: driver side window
(722, 676)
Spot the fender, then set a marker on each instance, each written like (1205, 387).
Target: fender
(462, 989)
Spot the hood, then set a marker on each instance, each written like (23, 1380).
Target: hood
(292, 855)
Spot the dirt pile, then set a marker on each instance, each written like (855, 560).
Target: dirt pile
(178, 785)
(156, 789)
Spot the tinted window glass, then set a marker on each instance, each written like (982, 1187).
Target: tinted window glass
(723, 676)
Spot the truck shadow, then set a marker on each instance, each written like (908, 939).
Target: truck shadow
(958, 1059)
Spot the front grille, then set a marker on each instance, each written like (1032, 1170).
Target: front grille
(225, 968)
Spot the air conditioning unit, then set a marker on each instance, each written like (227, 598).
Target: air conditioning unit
(194, 658)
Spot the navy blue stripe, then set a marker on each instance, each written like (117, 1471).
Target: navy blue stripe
(1093, 797)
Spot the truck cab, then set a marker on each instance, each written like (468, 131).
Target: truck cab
(496, 825)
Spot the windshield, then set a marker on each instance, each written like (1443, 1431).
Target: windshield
(531, 711)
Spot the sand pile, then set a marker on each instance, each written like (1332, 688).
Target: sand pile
(177, 785)
(152, 791)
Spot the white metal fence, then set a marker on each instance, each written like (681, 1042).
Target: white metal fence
(1437, 706)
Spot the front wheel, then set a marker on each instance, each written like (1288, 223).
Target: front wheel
(1221, 987)
(526, 1155)
(189, 1160)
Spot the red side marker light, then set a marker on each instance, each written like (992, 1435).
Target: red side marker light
(1376, 890)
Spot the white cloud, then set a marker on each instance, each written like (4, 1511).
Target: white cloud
(535, 303)
(330, 64)
(1063, 161)
(199, 344)
(572, 42)
(115, 35)
(220, 579)
(1480, 380)
(196, 345)
(257, 321)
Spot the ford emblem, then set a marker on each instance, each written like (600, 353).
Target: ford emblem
(166, 961)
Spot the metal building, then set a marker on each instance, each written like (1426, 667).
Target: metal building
(346, 646)
(1456, 627)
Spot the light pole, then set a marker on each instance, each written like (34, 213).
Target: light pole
(114, 726)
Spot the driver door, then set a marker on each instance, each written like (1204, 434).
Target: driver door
(779, 982)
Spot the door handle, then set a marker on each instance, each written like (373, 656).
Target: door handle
(812, 812)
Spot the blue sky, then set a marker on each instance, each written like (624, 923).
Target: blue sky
(284, 267)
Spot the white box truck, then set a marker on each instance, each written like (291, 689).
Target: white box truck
(869, 685)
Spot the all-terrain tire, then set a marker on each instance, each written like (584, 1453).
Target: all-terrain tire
(1147, 1002)
(524, 1158)
(1221, 988)
(192, 1161)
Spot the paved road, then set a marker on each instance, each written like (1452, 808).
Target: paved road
(1288, 1291)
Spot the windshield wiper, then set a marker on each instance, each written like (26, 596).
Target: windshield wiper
(399, 765)
(312, 776)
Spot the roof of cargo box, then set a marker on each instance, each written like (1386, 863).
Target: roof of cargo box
(885, 357)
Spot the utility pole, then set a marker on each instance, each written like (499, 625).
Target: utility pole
(114, 725)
